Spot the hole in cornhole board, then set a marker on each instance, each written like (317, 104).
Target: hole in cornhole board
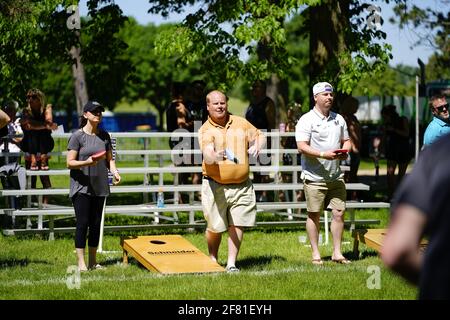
(157, 242)
(168, 254)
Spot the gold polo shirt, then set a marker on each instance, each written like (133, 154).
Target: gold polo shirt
(234, 137)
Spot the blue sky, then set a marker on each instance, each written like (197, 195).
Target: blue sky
(401, 40)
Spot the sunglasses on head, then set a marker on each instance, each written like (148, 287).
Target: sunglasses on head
(441, 108)
(32, 96)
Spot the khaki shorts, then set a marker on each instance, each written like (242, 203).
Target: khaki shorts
(329, 195)
(228, 204)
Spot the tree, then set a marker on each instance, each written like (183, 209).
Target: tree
(432, 29)
(220, 31)
(398, 81)
(153, 74)
(342, 44)
(37, 43)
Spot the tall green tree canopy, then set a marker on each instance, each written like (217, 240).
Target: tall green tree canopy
(36, 44)
(153, 74)
(220, 31)
(431, 27)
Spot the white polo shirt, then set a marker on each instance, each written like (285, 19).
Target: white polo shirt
(323, 134)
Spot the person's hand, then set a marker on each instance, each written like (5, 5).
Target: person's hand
(332, 155)
(342, 156)
(26, 124)
(219, 156)
(254, 150)
(116, 178)
(52, 126)
(93, 162)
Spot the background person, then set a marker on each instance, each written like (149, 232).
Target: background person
(348, 110)
(89, 180)
(13, 175)
(288, 159)
(420, 207)
(37, 123)
(4, 120)
(228, 196)
(178, 117)
(397, 147)
(319, 133)
(440, 125)
(261, 114)
(14, 131)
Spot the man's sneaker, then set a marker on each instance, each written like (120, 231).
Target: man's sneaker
(232, 269)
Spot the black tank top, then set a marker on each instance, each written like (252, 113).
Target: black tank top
(256, 114)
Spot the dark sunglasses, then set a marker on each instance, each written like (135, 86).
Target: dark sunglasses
(32, 96)
(96, 111)
(441, 108)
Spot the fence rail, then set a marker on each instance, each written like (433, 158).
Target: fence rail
(148, 209)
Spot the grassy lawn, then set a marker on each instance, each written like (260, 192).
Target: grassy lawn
(273, 263)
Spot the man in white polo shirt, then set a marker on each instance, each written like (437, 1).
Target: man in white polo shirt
(322, 137)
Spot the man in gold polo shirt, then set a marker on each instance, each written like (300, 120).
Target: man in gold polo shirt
(228, 196)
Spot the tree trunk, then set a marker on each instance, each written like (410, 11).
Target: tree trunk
(328, 24)
(81, 93)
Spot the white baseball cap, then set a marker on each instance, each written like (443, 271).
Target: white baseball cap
(322, 87)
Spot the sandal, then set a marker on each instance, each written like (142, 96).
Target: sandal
(341, 261)
(33, 164)
(97, 267)
(317, 262)
(44, 162)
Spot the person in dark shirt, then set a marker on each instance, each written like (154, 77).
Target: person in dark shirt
(396, 144)
(420, 207)
(261, 114)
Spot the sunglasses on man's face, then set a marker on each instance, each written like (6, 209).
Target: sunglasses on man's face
(32, 96)
(441, 108)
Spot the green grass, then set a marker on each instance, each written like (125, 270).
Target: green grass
(274, 265)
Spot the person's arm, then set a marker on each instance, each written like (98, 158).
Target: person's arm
(50, 125)
(400, 250)
(354, 131)
(28, 123)
(210, 155)
(4, 119)
(182, 115)
(306, 149)
(404, 129)
(73, 163)
(113, 168)
(257, 144)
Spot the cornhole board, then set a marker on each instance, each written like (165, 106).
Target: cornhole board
(168, 254)
(373, 238)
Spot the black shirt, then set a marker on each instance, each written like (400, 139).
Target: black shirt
(427, 188)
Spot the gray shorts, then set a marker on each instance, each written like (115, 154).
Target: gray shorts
(228, 204)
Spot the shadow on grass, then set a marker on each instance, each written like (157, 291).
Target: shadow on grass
(368, 254)
(259, 261)
(10, 263)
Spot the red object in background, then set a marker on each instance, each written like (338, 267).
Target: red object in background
(98, 155)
